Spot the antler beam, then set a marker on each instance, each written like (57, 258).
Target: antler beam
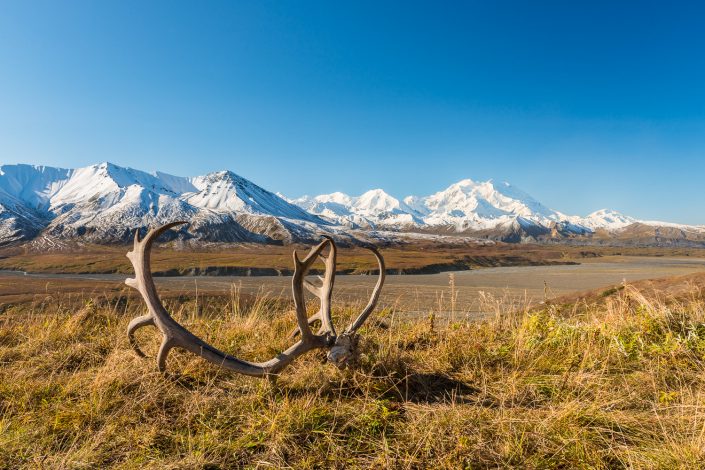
(174, 335)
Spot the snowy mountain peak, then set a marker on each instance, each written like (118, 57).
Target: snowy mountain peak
(369, 210)
(376, 200)
(606, 218)
(464, 183)
(336, 197)
(227, 191)
(469, 204)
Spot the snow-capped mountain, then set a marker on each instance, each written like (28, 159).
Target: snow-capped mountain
(373, 209)
(469, 205)
(606, 219)
(105, 203)
(486, 209)
(463, 206)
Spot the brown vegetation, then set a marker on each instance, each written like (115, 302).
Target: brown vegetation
(262, 259)
(617, 383)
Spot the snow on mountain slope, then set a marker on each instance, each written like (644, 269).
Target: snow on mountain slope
(466, 205)
(482, 205)
(336, 207)
(108, 184)
(487, 200)
(225, 191)
(25, 191)
(106, 202)
(416, 203)
(32, 186)
(383, 209)
(177, 184)
(17, 221)
(376, 201)
(371, 209)
(604, 218)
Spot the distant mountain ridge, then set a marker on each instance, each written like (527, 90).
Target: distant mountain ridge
(104, 203)
(464, 206)
(498, 211)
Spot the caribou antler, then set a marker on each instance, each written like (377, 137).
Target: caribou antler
(176, 336)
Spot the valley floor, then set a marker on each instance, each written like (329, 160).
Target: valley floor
(467, 294)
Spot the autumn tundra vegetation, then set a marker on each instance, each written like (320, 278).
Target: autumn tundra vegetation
(612, 379)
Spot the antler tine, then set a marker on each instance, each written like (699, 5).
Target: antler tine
(136, 324)
(140, 254)
(353, 327)
(298, 283)
(324, 292)
(154, 233)
(326, 289)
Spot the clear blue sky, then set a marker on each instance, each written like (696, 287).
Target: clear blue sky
(582, 104)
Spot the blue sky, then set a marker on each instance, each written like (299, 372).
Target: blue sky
(584, 105)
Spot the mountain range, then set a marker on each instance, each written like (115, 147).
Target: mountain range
(464, 206)
(497, 211)
(105, 203)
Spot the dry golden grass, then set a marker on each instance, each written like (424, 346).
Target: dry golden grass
(617, 385)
